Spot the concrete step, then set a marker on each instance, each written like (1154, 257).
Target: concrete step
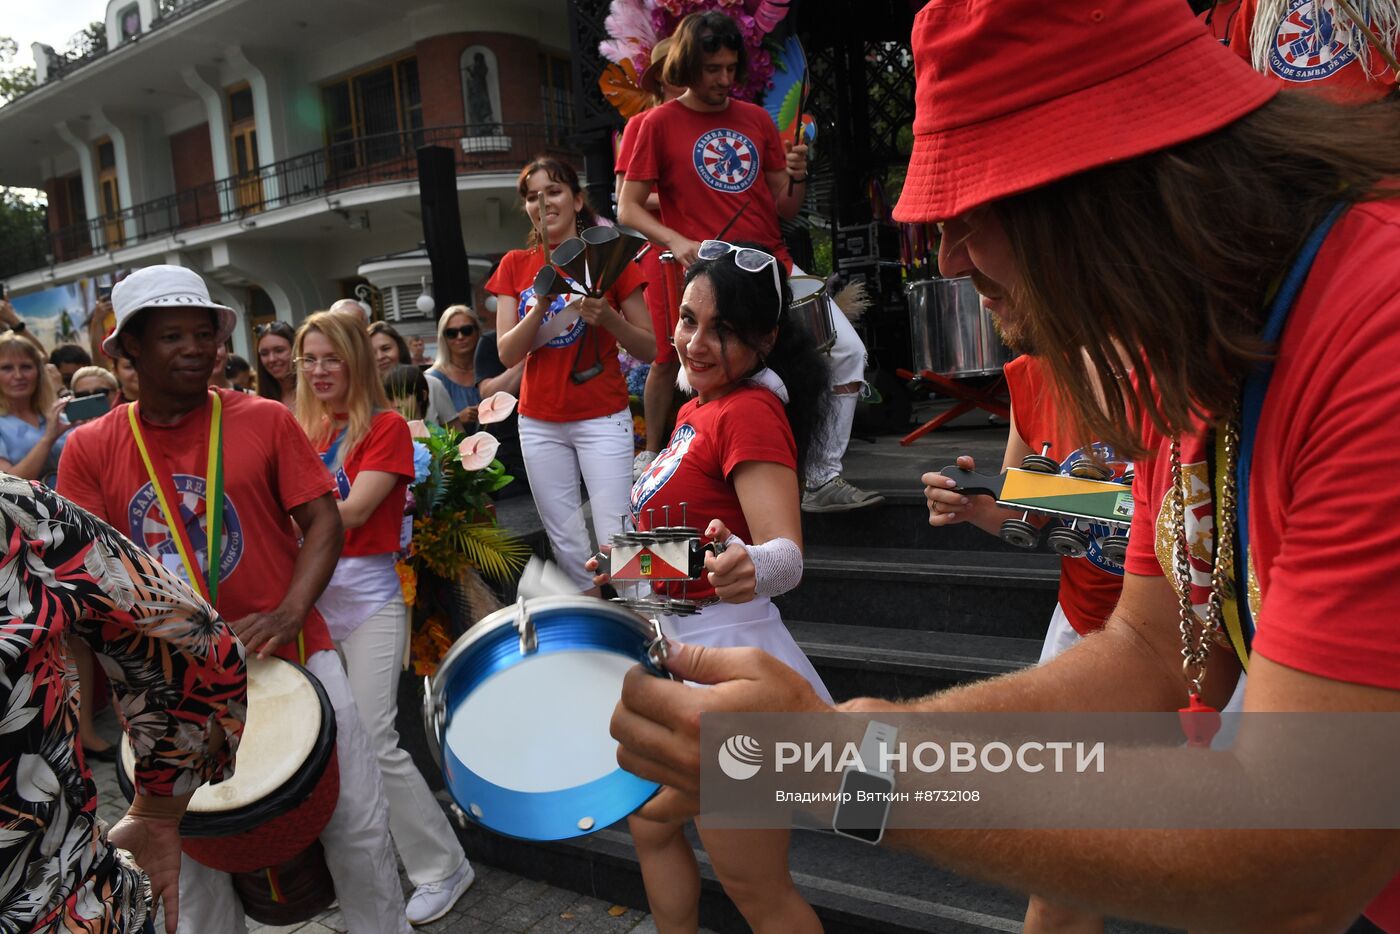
(976, 593)
(874, 661)
(854, 888)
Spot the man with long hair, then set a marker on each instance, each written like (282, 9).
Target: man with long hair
(1159, 217)
(722, 172)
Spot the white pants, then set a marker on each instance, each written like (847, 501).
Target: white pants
(847, 358)
(1061, 635)
(755, 625)
(356, 840)
(555, 454)
(373, 655)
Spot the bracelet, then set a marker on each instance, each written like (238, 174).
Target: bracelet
(800, 181)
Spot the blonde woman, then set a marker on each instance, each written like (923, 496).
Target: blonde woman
(458, 332)
(341, 404)
(32, 425)
(94, 380)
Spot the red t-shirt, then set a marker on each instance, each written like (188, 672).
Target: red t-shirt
(710, 440)
(1089, 586)
(388, 448)
(663, 300)
(1323, 541)
(1306, 53)
(269, 469)
(547, 389)
(706, 165)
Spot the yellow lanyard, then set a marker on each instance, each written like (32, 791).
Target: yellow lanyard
(214, 501)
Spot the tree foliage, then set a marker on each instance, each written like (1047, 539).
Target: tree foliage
(22, 226)
(14, 79)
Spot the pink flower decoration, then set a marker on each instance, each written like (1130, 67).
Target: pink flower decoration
(478, 450)
(495, 408)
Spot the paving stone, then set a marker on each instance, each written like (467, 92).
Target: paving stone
(526, 891)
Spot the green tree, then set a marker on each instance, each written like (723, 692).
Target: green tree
(22, 228)
(14, 79)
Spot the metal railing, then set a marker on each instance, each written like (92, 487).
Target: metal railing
(342, 166)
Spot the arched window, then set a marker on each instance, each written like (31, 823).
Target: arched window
(481, 92)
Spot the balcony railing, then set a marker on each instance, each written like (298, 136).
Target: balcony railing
(342, 166)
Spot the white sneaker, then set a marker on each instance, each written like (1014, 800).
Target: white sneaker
(432, 900)
(641, 462)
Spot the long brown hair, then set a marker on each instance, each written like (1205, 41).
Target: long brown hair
(1162, 265)
(350, 341)
(686, 60)
(562, 173)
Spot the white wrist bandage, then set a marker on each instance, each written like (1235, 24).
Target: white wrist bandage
(777, 565)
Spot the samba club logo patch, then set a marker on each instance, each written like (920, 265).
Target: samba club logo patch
(663, 468)
(1310, 44)
(148, 527)
(528, 301)
(726, 160)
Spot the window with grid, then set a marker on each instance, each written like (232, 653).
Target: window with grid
(556, 98)
(374, 116)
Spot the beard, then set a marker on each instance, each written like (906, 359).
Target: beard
(1010, 326)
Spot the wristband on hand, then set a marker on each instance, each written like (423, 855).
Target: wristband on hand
(777, 565)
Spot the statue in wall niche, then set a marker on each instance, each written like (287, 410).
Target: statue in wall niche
(479, 109)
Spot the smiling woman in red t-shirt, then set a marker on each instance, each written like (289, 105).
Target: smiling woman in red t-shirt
(365, 444)
(574, 416)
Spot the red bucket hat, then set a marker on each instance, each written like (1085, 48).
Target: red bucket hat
(1014, 94)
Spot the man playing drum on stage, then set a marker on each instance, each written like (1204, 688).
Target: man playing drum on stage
(722, 171)
(137, 464)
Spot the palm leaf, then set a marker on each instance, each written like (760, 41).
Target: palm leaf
(497, 552)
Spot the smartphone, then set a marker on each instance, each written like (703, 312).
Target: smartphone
(86, 408)
(104, 292)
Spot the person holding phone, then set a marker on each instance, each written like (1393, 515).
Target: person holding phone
(92, 382)
(32, 425)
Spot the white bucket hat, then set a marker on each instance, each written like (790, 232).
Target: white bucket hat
(163, 287)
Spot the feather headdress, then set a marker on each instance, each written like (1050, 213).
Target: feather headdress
(631, 34)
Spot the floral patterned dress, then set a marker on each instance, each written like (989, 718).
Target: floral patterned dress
(176, 669)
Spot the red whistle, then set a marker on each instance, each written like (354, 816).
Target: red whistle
(1199, 721)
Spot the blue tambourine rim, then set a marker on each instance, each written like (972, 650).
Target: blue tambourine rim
(562, 624)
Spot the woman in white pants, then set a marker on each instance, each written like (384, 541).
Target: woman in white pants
(366, 445)
(574, 418)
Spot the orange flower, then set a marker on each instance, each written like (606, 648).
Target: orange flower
(408, 582)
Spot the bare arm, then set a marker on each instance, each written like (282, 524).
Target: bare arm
(514, 336)
(653, 201)
(772, 505)
(630, 325)
(323, 536)
(632, 211)
(789, 183)
(946, 507)
(366, 493)
(31, 465)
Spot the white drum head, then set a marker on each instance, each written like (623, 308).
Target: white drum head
(542, 725)
(283, 725)
(804, 287)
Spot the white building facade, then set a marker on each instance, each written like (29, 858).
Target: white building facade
(271, 146)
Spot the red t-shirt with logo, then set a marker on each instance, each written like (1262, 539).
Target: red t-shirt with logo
(710, 440)
(707, 165)
(269, 469)
(662, 295)
(1089, 586)
(1309, 50)
(547, 389)
(388, 448)
(1324, 543)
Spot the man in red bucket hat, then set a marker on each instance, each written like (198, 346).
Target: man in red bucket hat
(1132, 198)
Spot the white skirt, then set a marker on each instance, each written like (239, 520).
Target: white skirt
(755, 625)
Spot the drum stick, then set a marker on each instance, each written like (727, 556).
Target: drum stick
(724, 230)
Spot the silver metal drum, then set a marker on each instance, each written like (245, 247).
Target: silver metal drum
(952, 333)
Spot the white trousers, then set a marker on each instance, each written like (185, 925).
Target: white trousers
(373, 655)
(556, 454)
(356, 840)
(847, 360)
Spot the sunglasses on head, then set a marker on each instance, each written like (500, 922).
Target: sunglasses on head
(714, 40)
(466, 330)
(747, 259)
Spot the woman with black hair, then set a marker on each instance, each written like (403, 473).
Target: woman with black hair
(277, 377)
(734, 459)
(391, 351)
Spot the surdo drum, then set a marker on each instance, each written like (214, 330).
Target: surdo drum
(952, 333)
(517, 716)
(811, 307)
(264, 820)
